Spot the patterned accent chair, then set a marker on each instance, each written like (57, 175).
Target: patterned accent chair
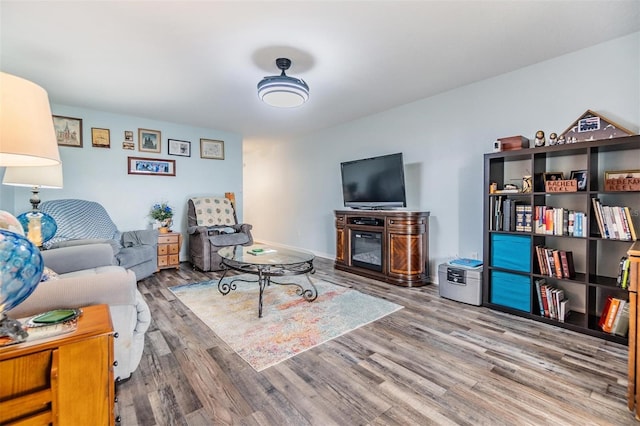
(87, 222)
(212, 224)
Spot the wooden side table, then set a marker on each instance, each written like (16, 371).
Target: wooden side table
(169, 250)
(61, 380)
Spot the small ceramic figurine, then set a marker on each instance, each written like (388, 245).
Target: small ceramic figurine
(553, 139)
(561, 140)
(540, 140)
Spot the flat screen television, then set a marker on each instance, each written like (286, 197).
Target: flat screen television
(374, 183)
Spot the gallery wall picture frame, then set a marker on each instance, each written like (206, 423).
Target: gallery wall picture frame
(149, 140)
(68, 131)
(178, 147)
(100, 138)
(581, 177)
(212, 149)
(151, 166)
(552, 176)
(622, 174)
(128, 136)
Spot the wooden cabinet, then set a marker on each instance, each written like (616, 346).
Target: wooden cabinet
(511, 263)
(61, 380)
(169, 250)
(387, 245)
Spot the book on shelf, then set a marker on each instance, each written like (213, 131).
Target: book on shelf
(605, 310)
(559, 221)
(614, 222)
(622, 326)
(509, 215)
(568, 267)
(528, 216)
(551, 301)
(623, 273)
(563, 310)
(540, 282)
(555, 263)
(615, 316)
(520, 218)
(611, 314)
(618, 315)
(632, 228)
(598, 214)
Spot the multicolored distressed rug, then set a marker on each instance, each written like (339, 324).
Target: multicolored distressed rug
(289, 325)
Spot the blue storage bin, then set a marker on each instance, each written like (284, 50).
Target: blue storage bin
(511, 252)
(511, 290)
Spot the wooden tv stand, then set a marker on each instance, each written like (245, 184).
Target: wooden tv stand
(404, 245)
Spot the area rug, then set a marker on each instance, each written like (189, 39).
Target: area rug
(289, 324)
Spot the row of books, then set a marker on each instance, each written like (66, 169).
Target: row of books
(623, 278)
(555, 263)
(552, 301)
(509, 215)
(615, 316)
(560, 221)
(614, 222)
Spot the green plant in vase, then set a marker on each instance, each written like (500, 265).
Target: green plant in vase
(163, 214)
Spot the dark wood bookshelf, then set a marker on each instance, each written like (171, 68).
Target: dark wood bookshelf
(594, 255)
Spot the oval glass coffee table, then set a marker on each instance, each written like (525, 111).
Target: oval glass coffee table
(266, 263)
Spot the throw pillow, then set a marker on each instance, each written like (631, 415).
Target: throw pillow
(49, 274)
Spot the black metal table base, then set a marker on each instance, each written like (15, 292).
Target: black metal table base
(265, 275)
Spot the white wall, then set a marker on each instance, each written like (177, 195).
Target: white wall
(292, 188)
(100, 174)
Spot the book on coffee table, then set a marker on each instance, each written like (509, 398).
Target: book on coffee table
(261, 251)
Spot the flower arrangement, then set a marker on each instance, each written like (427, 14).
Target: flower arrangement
(161, 212)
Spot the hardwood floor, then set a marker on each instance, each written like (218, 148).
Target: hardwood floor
(434, 362)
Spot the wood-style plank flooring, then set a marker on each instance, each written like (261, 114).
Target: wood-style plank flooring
(434, 362)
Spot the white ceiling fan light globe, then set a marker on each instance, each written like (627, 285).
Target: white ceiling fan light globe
(283, 91)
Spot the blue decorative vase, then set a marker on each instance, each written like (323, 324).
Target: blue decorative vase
(48, 226)
(21, 266)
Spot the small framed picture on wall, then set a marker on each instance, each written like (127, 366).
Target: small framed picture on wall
(181, 148)
(100, 138)
(212, 149)
(149, 140)
(68, 131)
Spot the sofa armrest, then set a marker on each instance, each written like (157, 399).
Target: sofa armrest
(115, 244)
(76, 258)
(140, 237)
(111, 285)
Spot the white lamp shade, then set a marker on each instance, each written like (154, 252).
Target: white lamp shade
(27, 136)
(41, 176)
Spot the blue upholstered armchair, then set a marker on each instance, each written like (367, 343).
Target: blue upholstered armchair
(87, 222)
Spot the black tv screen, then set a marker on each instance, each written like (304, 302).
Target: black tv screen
(376, 182)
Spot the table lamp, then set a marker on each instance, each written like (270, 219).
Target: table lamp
(27, 138)
(40, 227)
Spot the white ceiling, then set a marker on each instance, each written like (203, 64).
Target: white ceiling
(198, 62)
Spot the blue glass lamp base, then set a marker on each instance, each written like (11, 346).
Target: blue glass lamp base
(48, 226)
(21, 266)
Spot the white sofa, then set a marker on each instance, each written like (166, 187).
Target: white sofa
(86, 276)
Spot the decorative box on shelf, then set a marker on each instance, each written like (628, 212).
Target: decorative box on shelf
(622, 184)
(513, 142)
(569, 185)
